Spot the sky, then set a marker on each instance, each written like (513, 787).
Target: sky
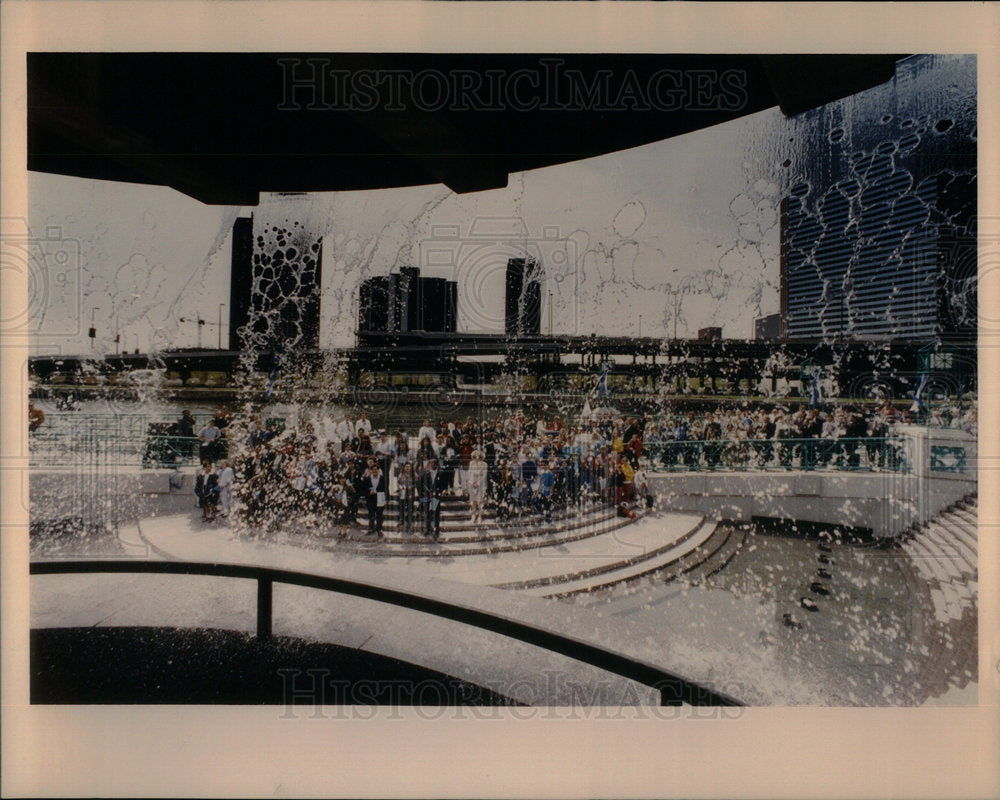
(688, 224)
(619, 235)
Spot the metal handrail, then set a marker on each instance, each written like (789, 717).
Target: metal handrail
(850, 454)
(673, 689)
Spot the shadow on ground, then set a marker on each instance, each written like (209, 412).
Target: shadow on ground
(179, 666)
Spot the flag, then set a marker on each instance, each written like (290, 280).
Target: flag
(271, 378)
(814, 400)
(602, 385)
(924, 380)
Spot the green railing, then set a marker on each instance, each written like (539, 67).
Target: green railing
(128, 447)
(172, 451)
(849, 454)
(77, 448)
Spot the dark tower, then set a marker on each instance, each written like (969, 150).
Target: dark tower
(523, 302)
(404, 302)
(408, 299)
(285, 290)
(240, 279)
(310, 301)
(373, 305)
(434, 294)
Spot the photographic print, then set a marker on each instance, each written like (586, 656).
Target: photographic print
(487, 385)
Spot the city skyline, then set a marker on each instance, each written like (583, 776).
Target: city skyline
(683, 233)
(172, 252)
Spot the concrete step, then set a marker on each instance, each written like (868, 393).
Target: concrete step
(965, 529)
(417, 545)
(970, 515)
(711, 557)
(695, 566)
(623, 562)
(461, 521)
(947, 553)
(935, 562)
(581, 582)
(488, 530)
(940, 535)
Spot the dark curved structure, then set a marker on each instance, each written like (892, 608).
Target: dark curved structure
(673, 689)
(223, 127)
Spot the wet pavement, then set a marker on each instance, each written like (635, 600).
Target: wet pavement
(873, 639)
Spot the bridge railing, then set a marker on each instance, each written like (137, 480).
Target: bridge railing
(674, 690)
(867, 454)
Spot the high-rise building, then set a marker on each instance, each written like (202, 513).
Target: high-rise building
(408, 300)
(768, 327)
(878, 229)
(404, 302)
(523, 302)
(373, 305)
(285, 290)
(880, 261)
(240, 279)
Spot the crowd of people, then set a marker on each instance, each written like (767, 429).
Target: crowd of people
(514, 467)
(840, 436)
(511, 466)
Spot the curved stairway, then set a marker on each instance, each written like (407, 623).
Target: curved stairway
(944, 552)
(459, 535)
(581, 549)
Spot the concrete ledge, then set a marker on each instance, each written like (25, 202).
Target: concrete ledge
(886, 503)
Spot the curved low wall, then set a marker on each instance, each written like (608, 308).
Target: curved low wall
(943, 470)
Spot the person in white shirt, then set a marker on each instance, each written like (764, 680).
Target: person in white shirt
(226, 479)
(330, 430)
(426, 430)
(363, 424)
(209, 436)
(541, 427)
(385, 451)
(640, 485)
(476, 482)
(345, 432)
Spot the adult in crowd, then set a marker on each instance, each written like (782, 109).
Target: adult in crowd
(546, 482)
(363, 424)
(345, 432)
(426, 432)
(209, 437)
(406, 486)
(226, 479)
(206, 489)
(430, 487)
(376, 491)
(476, 482)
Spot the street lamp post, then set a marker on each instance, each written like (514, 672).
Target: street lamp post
(93, 328)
